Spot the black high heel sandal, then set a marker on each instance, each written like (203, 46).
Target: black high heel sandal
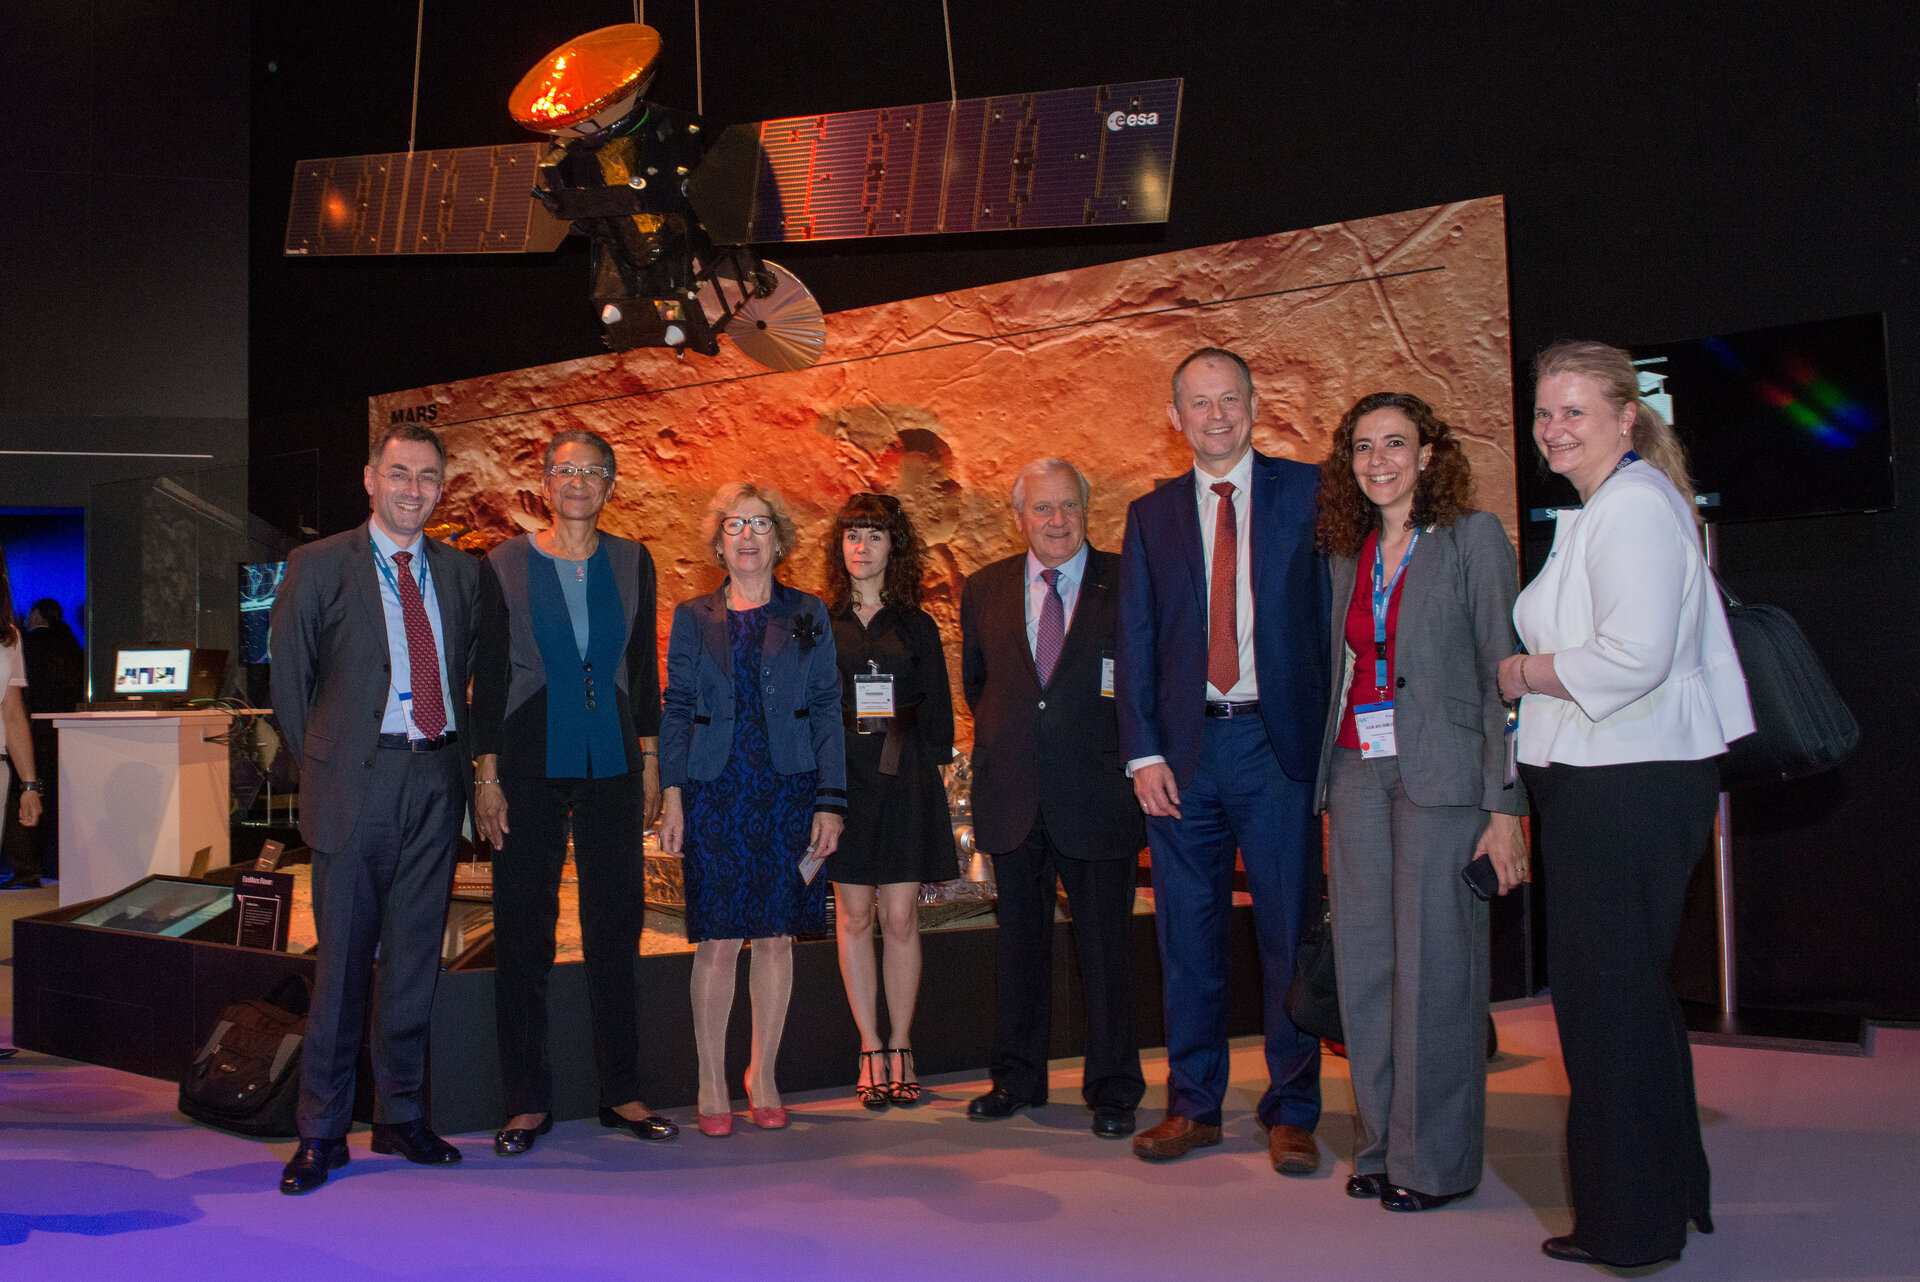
(876, 1094)
(903, 1094)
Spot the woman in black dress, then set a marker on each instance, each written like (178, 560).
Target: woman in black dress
(898, 710)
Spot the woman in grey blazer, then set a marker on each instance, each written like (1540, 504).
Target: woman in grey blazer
(754, 771)
(1413, 770)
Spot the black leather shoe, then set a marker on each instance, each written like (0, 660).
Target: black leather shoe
(1111, 1123)
(310, 1165)
(1704, 1221)
(652, 1128)
(513, 1141)
(1564, 1248)
(1396, 1198)
(996, 1104)
(20, 883)
(1369, 1186)
(413, 1141)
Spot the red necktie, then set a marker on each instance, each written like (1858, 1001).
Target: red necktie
(429, 705)
(1052, 637)
(1223, 628)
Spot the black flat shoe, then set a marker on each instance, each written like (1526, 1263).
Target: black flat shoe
(20, 883)
(512, 1142)
(1370, 1186)
(1111, 1122)
(652, 1128)
(996, 1104)
(415, 1142)
(1396, 1198)
(310, 1165)
(1704, 1221)
(1564, 1248)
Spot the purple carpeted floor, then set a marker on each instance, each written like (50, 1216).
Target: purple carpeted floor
(1816, 1162)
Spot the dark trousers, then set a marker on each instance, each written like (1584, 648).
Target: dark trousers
(1100, 899)
(606, 819)
(1618, 844)
(389, 889)
(1239, 797)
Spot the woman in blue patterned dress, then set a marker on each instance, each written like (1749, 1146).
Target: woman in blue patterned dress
(753, 769)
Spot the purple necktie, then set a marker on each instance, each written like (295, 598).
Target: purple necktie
(429, 705)
(1053, 628)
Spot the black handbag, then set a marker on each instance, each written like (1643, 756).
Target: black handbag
(1801, 725)
(246, 1079)
(1313, 997)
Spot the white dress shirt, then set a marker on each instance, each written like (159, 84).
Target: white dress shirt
(395, 719)
(13, 673)
(1072, 570)
(1637, 632)
(1247, 688)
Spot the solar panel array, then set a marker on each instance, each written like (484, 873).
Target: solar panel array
(1066, 158)
(465, 200)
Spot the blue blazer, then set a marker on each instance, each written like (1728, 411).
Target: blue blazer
(1160, 666)
(800, 694)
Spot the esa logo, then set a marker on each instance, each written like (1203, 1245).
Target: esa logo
(1118, 120)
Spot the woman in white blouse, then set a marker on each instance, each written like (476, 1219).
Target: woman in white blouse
(16, 744)
(1629, 690)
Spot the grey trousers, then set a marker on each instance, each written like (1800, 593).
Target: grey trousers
(1410, 943)
(390, 892)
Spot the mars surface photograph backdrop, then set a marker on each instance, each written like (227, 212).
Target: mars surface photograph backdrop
(942, 400)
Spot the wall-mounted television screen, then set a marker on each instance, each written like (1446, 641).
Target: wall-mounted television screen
(1787, 421)
(259, 583)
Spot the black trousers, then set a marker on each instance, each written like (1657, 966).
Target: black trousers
(605, 815)
(1619, 844)
(389, 889)
(1100, 898)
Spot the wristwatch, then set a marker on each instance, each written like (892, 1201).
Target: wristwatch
(32, 785)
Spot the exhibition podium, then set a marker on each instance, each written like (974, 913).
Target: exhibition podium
(140, 793)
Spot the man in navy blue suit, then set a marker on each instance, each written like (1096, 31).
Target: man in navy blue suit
(1222, 678)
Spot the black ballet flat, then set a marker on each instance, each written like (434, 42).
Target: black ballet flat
(1397, 1198)
(1564, 1248)
(652, 1128)
(1368, 1186)
(513, 1141)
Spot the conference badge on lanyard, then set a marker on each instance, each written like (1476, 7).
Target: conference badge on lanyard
(1374, 721)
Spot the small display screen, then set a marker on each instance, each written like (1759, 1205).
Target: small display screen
(152, 672)
(259, 584)
(161, 907)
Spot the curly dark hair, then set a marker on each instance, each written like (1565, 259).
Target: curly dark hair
(900, 588)
(1443, 492)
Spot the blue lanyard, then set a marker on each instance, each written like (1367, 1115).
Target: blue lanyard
(1629, 457)
(1382, 594)
(393, 580)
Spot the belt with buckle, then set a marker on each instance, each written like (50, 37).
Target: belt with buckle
(402, 743)
(1222, 708)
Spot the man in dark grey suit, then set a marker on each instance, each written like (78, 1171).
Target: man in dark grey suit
(1050, 800)
(372, 637)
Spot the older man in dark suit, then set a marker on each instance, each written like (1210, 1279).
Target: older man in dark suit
(372, 638)
(1222, 688)
(1050, 800)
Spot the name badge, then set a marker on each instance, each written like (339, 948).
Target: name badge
(1106, 675)
(406, 708)
(873, 696)
(1374, 721)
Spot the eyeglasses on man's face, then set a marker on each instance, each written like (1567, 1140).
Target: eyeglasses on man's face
(735, 524)
(401, 477)
(567, 472)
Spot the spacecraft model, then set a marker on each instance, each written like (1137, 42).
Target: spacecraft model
(674, 210)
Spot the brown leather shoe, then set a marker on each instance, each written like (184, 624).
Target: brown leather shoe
(1173, 1137)
(1292, 1151)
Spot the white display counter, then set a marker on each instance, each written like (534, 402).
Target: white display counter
(140, 793)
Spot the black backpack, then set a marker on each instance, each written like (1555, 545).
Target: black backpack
(246, 1079)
